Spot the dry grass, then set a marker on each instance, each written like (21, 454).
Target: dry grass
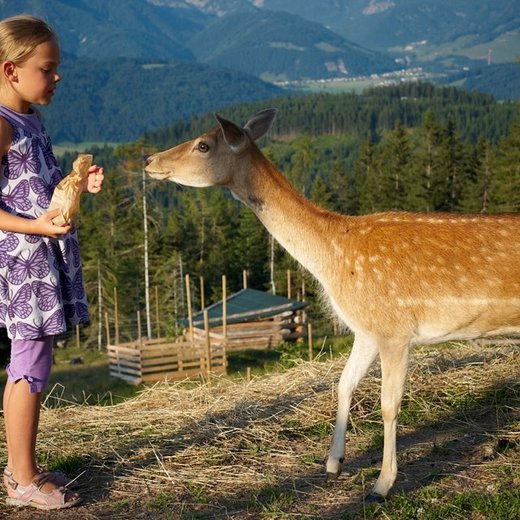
(238, 449)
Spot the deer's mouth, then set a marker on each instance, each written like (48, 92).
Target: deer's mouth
(157, 174)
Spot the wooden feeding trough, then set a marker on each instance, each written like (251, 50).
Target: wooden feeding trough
(150, 360)
(252, 319)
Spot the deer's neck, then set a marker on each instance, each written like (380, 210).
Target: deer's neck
(297, 224)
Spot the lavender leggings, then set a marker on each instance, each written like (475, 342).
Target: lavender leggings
(31, 359)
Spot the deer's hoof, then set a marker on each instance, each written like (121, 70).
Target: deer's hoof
(373, 498)
(331, 476)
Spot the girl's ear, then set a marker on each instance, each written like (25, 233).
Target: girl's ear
(9, 71)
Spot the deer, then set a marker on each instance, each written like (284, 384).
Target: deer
(394, 279)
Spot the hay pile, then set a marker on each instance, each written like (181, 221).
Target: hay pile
(256, 449)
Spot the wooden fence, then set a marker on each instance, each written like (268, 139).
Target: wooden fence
(159, 359)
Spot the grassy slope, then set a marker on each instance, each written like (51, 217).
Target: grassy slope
(239, 449)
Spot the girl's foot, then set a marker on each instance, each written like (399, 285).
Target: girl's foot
(56, 477)
(33, 494)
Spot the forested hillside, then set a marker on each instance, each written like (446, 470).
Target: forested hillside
(119, 99)
(283, 47)
(366, 115)
(502, 81)
(416, 147)
(440, 29)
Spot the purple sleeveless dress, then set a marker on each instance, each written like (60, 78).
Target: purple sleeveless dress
(41, 282)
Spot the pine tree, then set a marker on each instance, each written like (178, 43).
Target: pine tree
(448, 180)
(394, 161)
(424, 164)
(477, 192)
(252, 249)
(320, 193)
(367, 178)
(507, 166)
(302, 163)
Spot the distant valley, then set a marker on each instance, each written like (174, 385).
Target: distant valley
(135, 65)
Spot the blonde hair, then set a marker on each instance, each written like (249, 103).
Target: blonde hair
(20, 35)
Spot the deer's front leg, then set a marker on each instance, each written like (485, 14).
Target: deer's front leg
(362, 356)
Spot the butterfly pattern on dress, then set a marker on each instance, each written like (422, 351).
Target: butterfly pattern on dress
(18, 305)
(41, 282)
(42, 327)
(36, 265)
(72, 289)
(8, 244)
(48, 295)
(17, 198)
(78, 309)
(46, 148)
(44, 189)
(23, 159)
(59, 255)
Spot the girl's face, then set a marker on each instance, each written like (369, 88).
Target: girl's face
(34, 81)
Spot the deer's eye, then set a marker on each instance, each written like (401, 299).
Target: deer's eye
(202, 147)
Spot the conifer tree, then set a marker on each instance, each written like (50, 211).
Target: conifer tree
(302, 163)
(477, 191)
(321, 194)
(424, 164)
(507, 166)
(448, 181)
(394, 161)
(367, 178)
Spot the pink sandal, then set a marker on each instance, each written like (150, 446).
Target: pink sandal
(33, 496)
(56, 477)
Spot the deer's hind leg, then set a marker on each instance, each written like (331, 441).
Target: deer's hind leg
(362, 356)
(394, 356)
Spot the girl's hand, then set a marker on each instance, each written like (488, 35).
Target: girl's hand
(94, 181)
(43, 225)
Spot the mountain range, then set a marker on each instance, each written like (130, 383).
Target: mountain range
(191, 56)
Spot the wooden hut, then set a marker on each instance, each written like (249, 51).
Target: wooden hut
(252, 319)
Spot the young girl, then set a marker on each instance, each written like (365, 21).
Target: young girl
(41, 285)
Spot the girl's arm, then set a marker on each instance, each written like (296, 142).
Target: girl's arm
(42, 225)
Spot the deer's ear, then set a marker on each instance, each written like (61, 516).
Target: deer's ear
(235, 137)
(260, 123)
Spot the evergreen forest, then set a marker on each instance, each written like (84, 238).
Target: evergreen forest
(415, 147)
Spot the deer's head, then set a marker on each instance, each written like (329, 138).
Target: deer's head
(215, 157)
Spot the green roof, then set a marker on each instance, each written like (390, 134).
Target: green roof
(247, 305)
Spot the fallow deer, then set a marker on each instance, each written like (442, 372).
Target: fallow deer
(395, 279)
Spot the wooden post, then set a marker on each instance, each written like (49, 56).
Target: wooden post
(100, 306)
(208, 345)
(78, 344)
(157, 311)
(139, 337)
(188, 303)
(288, 283)
(248, 373)
(107, 328)
(202, 296)
(224, 307)
(304, 312)
(116, 317)
(310, 341)
(244, 278)
(146, 263)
